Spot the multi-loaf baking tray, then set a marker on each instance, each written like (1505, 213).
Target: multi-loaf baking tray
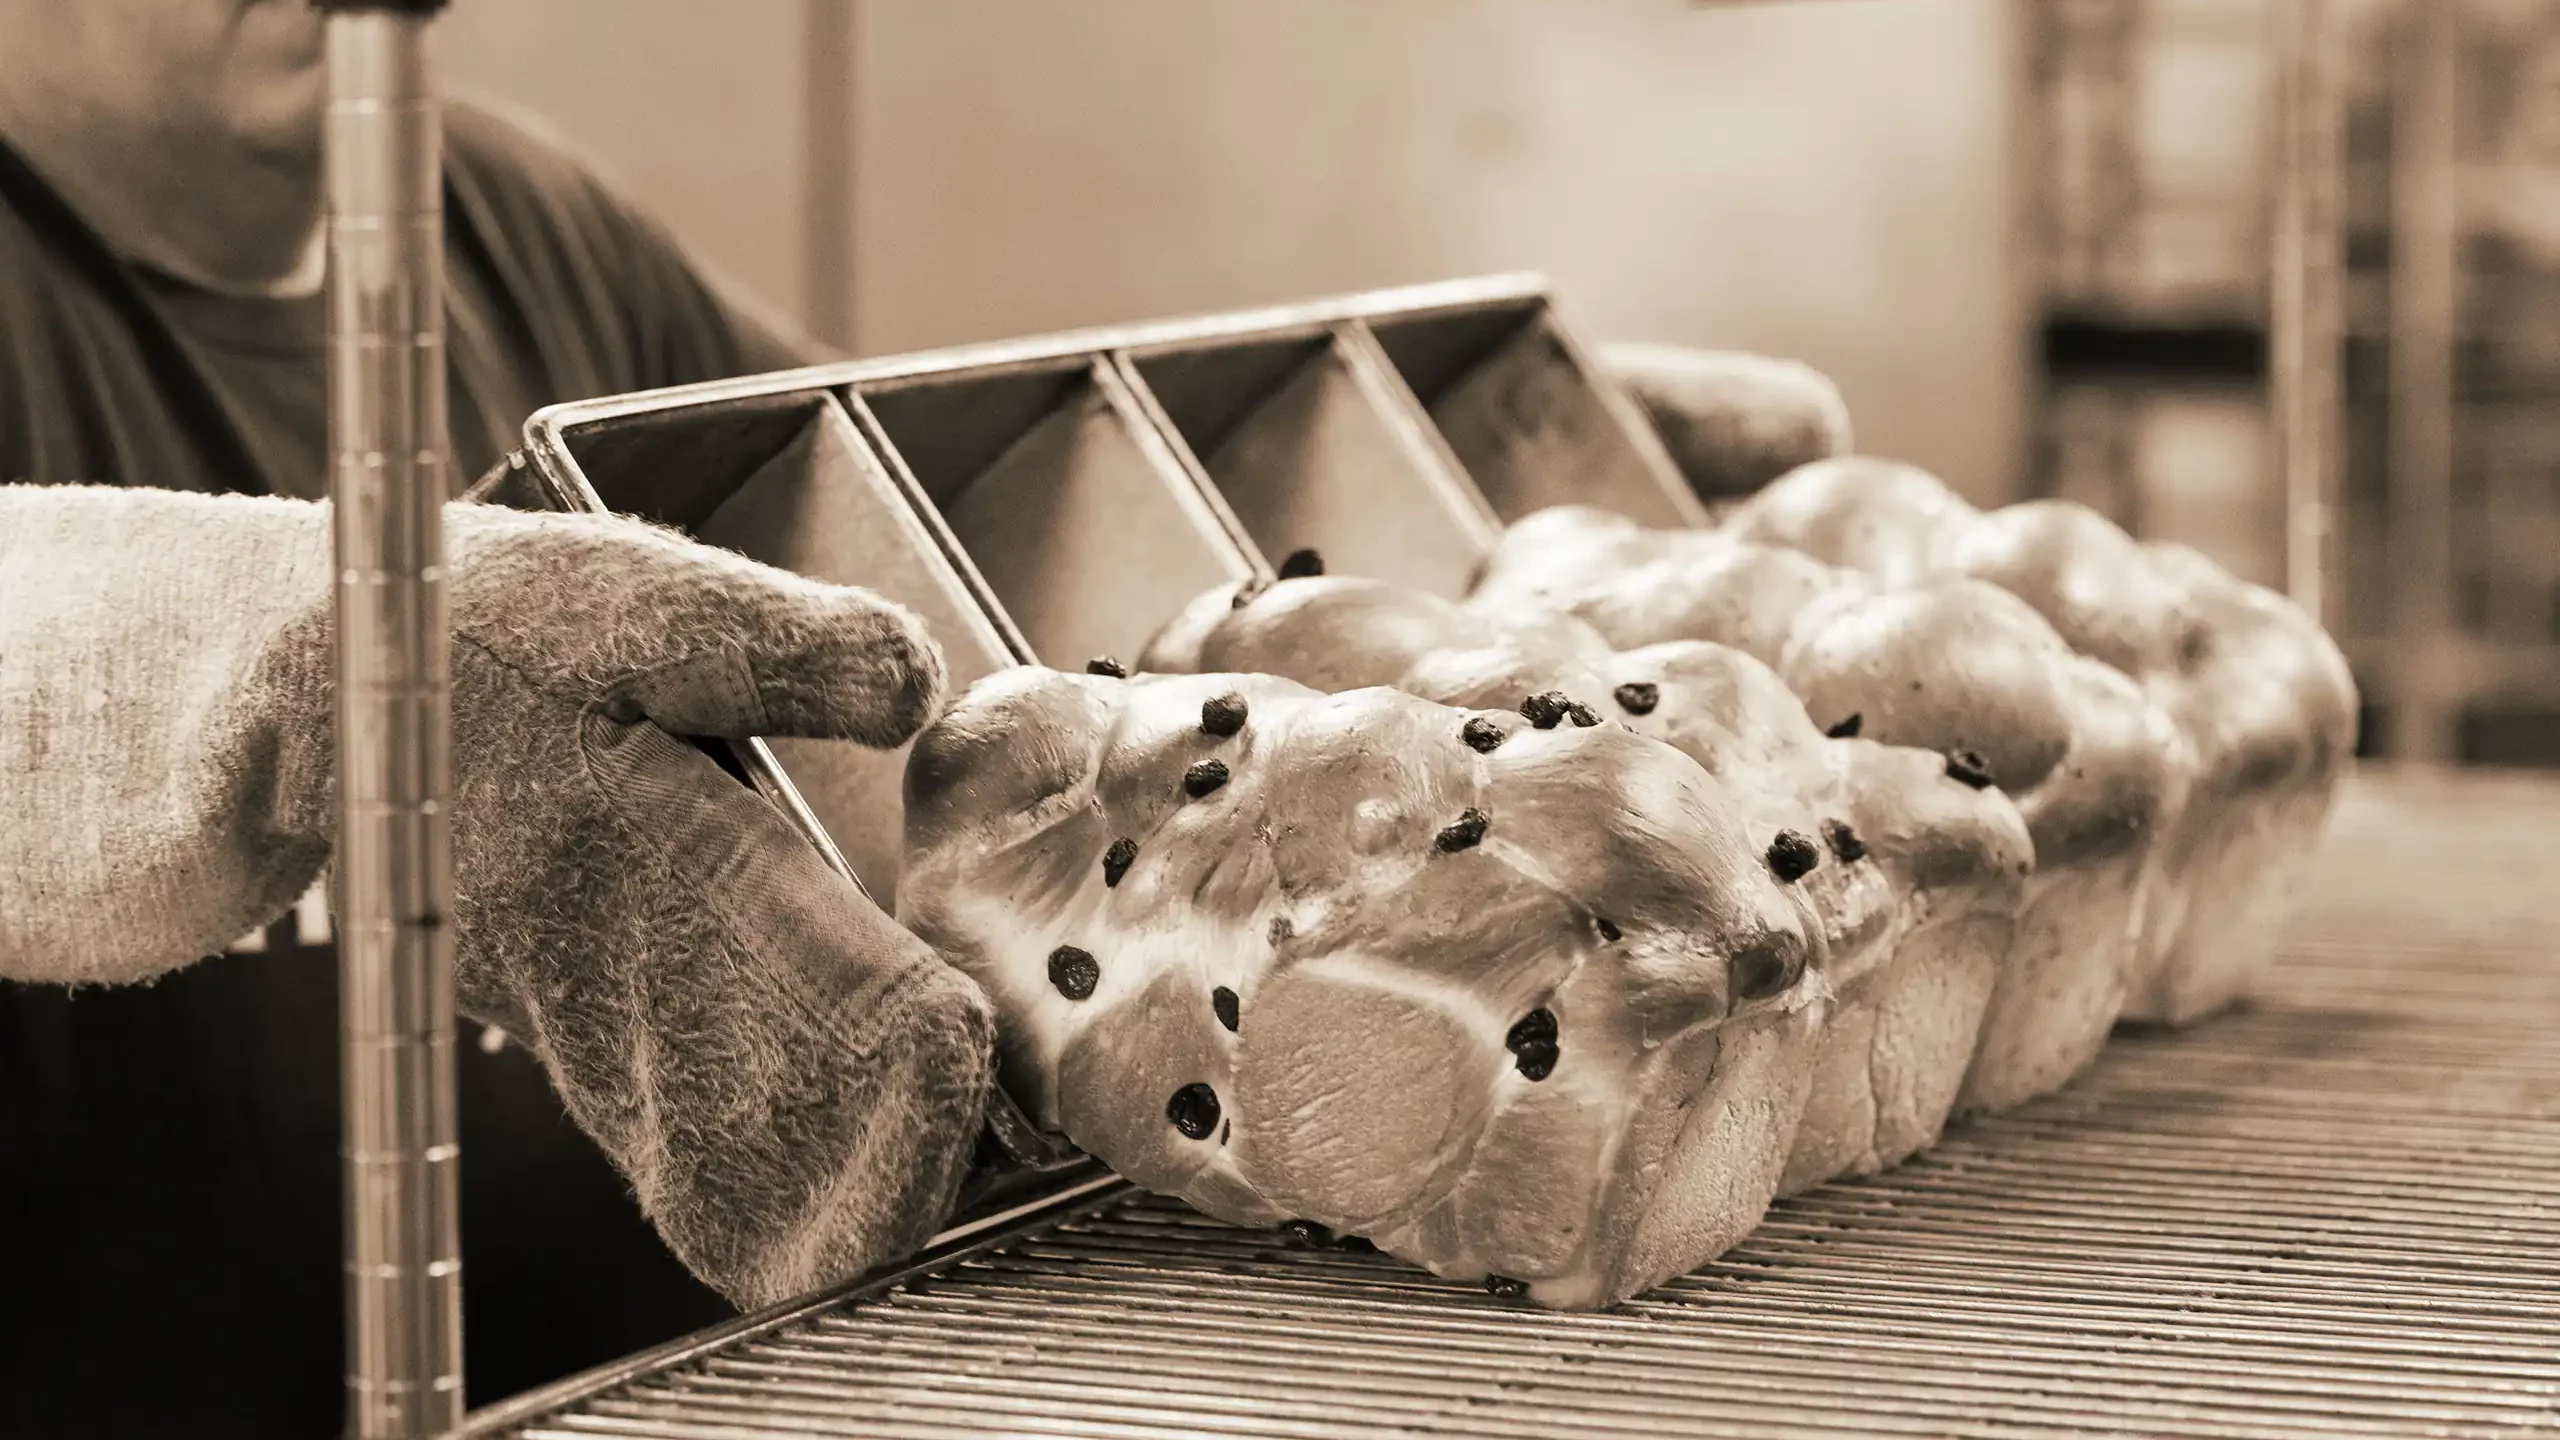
(1056, 499)
(1053, 500)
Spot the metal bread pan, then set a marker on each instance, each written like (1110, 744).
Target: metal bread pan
(784, 477)
(1314, 442)
(1085, 525)
(1522, 403)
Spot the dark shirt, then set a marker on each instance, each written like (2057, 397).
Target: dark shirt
(169, 1208)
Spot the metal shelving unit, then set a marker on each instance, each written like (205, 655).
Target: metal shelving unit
(2153, 137)
(2410, 151)
(2463, 244)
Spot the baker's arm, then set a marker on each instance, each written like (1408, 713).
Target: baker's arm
(152, 816)
(792, 1083)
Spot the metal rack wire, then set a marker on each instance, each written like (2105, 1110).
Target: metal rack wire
(2328, 1214)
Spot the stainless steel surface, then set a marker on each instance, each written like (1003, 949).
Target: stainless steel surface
(1522, 295)
(2306, 303)
(393, 868)
(1451, 295)
(2335, 1212)
(1476, 382)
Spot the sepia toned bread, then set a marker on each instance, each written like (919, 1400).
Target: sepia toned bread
(1917, 877)
(1956, 666)
(2259, 695)
(1518, 1003)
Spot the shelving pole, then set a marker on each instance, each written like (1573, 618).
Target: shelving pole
(2426, 654)
(383, 152)
(2306, 300)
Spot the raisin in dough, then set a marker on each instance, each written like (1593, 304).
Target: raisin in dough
(1916, 877)
(1515, 1004)
(1955, 665)
(2254, 686)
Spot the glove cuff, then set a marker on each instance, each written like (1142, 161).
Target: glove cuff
(918, 1062)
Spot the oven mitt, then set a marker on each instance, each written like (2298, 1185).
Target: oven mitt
(792, 1083)
(1732, 420)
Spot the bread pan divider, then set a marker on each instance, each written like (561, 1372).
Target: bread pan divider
(1078, 515)
(1522, 402)
(1314, 443)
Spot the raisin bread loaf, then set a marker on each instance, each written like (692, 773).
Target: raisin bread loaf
(1955, 666)
(1516, 1003)
(1916, 877)
(2256, 690)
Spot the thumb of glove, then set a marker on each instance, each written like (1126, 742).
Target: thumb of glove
(700, 642)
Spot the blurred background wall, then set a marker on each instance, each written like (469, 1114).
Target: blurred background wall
(698, 111)
(1826, 180)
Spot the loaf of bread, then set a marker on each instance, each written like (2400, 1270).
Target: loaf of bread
(1916, 875)
(2259, 695)
(1522, 1002)
(1956, 666)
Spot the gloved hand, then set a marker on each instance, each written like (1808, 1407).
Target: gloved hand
(792, 1083)
(1732, 420)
